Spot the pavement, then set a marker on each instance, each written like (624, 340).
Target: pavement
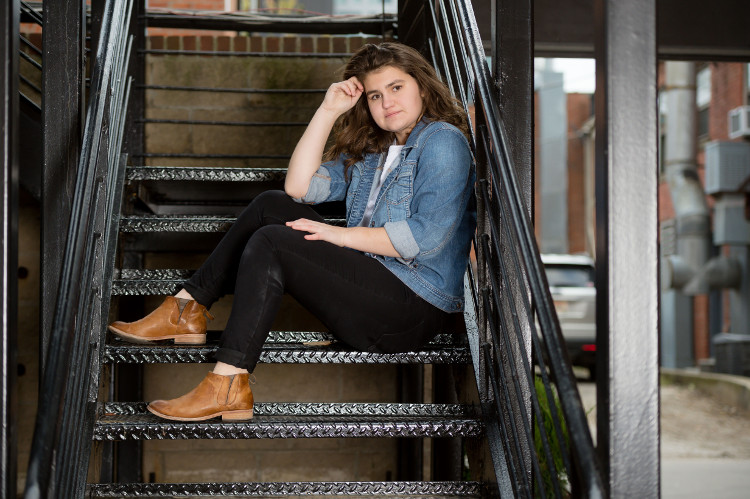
(705, 434)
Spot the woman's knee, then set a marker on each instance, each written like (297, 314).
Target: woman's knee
(264, 206)
(269, 239)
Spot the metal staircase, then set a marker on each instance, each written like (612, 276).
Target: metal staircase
(170, 207)
(163, 214)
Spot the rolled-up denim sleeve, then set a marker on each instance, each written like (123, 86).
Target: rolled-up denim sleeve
(326, 184)
(443, 184)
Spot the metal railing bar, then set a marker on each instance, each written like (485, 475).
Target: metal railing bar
(525, 417)
(29, 83)
(319, 55)
(537, 347)
(510, 459)
(211, 156)
(490, 295)
(236, 90)
(28, 43)
(569, 397)
(35, 16)
(431, 47)
(449, 38)
(223, 123)
(28, 101)
(52, 469)
(441, 48)
(455, 21)
(496, 388)
(527, 371)
(30, 60)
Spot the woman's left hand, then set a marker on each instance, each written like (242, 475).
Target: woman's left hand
(319, 231)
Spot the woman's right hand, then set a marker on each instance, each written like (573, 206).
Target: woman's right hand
(342, 96)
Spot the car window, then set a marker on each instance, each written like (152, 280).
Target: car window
(570, 276)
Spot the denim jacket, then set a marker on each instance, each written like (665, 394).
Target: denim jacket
(426, 205)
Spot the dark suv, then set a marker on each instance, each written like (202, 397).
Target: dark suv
(571, 282)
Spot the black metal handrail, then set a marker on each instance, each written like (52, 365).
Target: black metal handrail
(65, 419)
(512, 301)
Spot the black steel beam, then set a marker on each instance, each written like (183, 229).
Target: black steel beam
(273, 24)
(686, 29)
(627, 297)
(513, 70)
(9, 41)
(63, 79)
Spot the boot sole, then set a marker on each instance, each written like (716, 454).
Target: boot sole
(179, 339)
(240, 415)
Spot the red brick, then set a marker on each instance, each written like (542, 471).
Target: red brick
(190, 43)
(156, 42)
(207, 43)
(223, 44)
(273, 44)
(340, 45)
(306, 44)
(256, 44)
(355, 43)
(240, 44)
(290, 44)
(324, 45)
(173, 43)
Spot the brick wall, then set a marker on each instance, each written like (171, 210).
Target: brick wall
(579, 110)
(726, 93)
(306, 44)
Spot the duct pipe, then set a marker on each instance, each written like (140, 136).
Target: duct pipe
(688, 197)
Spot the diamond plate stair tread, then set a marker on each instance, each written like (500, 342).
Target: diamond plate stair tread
(204, 174)
(331, 409)
(185, 223)
(282, 354)
(292, 423)
(391, 489)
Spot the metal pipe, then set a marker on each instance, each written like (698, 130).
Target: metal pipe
(691, 210)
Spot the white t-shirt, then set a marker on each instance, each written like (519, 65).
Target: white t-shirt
(391, 160)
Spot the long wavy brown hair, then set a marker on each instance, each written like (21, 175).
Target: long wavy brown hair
(357, 134)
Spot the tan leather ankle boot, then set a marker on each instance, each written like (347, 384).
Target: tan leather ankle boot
(167, 323)
(227, 396)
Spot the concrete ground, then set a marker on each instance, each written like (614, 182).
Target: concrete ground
(705, 445)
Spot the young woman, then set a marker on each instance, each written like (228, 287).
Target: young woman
(388, 281)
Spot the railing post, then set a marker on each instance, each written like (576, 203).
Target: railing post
(133, 142)
(513, 72)
(626, 246)
(9, 17)
(63, 80)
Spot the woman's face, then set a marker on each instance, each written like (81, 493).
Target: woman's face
(395, 100)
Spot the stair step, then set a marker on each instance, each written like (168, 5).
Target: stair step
(391, 489)
(186, 223)
(289, 354)
(204, 174)
(130, 421)
(288, 489)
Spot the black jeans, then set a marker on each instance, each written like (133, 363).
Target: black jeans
(259, 259)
